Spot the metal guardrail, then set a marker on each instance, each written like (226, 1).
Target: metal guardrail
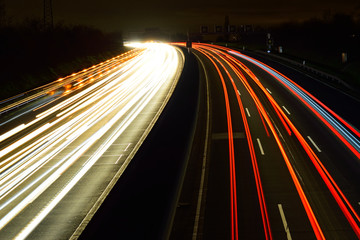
(309, 69)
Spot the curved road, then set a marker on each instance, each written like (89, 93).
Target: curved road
(268, 160)
(64, 145)
(279, 163)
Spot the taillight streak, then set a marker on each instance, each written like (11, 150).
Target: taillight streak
(233, 197)
(327, 116)
(261, 198)
(340, 198)
(311, 216)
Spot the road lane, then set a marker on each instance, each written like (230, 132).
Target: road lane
(341, 176)
(86, 135)
(250, 220)
(141, 204)
(309, 185)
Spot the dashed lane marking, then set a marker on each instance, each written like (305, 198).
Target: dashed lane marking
(286, 227)
(287, 111)
(313, 143)
(260, 146)
(247, 111)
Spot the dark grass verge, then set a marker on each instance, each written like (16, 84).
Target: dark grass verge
(13, 83)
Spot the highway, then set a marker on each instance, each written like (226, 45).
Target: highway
(277, 163)
(237, 150)
(64, 145)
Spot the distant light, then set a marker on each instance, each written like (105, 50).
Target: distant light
(140, 44)
(133, 44)
(268, 51)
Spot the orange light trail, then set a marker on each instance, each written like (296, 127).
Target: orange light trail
(311, 216)
(263, 209)
(344, 204)
(262, 203)
(338, 195)
(346, 140)
(233, 197)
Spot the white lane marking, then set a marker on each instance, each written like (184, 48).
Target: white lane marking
(287, 111)
(313, 143)
(17, 116)
(298, 174)
(117, 161)
(247, 111)
(260, 146)
(127, 147)
(239, 93)
(286, 227)
(268, 90)
(277, 129)
(203, 170)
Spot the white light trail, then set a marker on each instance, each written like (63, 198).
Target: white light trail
(103, 110)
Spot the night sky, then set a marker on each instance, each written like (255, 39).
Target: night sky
(134, 15)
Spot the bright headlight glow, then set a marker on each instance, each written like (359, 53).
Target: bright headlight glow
(103, 111)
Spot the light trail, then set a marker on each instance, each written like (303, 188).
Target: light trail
(344, 204)
(343, 130)
(112, 96)
(316, 227)
(84, 76)
(338, 195)
(311, 154)
(311, 216)
(262, 203)
(260, 192)
(233, 191)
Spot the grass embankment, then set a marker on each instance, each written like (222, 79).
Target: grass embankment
(31, 57)
(318, 42)
(348, 72)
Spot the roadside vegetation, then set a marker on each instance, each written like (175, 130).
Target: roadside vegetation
(319, 43)
(31, 56)
(331, 44)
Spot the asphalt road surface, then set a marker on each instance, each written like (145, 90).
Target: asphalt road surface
(64, 145)
(237, 151)
(277, 163)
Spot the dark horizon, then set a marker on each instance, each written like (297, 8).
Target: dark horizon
(110, 15)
